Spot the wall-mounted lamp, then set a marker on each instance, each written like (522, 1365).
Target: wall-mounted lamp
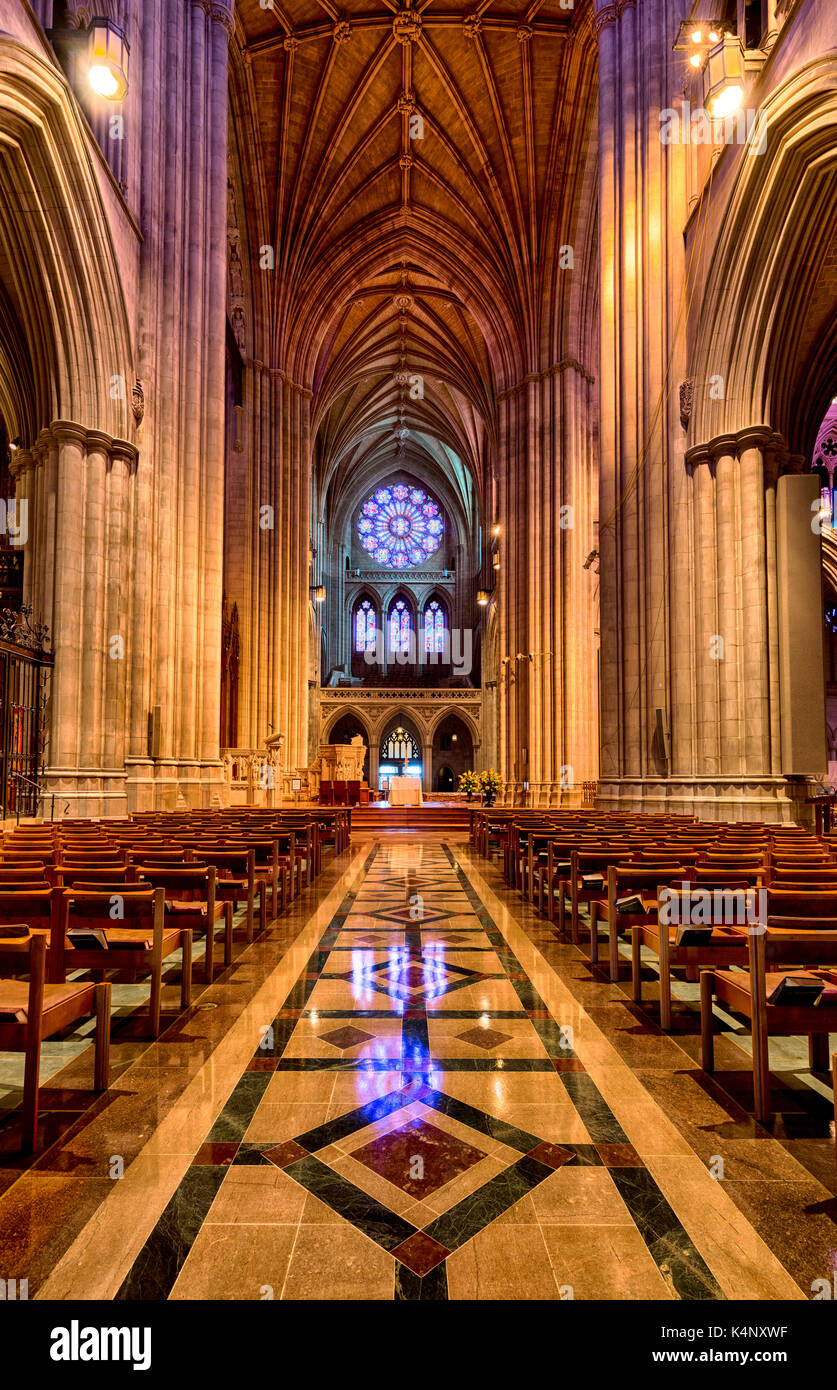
(482, 598)
(495, 530)
(695, 37)
(107, 55)
(320, 594)
(723, 78)
(495, 560)
(697, 33)
(14, 444)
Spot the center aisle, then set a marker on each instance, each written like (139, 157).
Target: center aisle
(415, 1124)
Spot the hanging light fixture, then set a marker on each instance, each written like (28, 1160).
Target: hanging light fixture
(107, 55)
(724, 78)
(482, 598)
(320, 593)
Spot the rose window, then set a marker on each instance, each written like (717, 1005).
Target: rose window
(400, 526)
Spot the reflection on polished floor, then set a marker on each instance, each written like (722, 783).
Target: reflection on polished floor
(410, 1089)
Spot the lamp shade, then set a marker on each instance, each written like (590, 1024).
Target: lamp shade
(482, 597)
(723, 77)
(107, 59)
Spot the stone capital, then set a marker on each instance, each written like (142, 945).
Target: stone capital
(99, 443)
(754, 437)
(723, 445)
(21, 462)
(122, 451)
(68, 432)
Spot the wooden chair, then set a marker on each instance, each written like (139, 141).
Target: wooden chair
(140, 943)
(40, 909)
(622, 880)
(746, 993)
(94, 859)
(37, 1010)
(353, 793)
(236, 881)
(583, 863)
(97, 878)
(727, 945)
(326, 797)
(26, 877)
(190, 903)
(276, 876)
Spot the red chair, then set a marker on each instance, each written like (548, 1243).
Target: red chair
(326, 793)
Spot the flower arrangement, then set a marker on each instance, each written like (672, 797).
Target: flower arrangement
(469, 783)
(490, 783)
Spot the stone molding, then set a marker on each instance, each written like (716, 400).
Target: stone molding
(92, 441)
(282, 376)
(565, 364)
(611, 13)
(395, 695)
(778, 458)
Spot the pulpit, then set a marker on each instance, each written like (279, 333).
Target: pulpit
(337, 763)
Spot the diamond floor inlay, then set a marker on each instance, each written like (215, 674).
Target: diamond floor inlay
(432, 1113)
(486, 1038)
(418, 1157)
(344, 1038)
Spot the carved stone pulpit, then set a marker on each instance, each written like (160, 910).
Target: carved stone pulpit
(337, 762)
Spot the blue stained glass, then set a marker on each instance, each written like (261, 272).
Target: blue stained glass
(399, 627)
(400, 526)
(434, 627)
(365, 627)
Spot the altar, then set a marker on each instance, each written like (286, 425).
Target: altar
(405, 791)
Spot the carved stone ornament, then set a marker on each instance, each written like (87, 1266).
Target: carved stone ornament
(406, 161)
(524, 32)
(342, 31)
(290, 43)
(406, 26)
(137, 402)
(406, 103)
(687, 396)
(472, 27)
(403, 302)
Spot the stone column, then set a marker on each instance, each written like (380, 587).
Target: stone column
(642, 357)
(734, 660)
(546, 608)
(182, 337)
(427, 766)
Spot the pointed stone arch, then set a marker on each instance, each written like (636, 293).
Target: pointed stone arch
(57, 262)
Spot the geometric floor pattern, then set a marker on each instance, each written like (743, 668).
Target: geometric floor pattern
(415, 1108)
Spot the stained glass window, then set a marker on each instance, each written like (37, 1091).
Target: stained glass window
(365, 633)
(399, 627)
(434, 627)
(398, 745)
(400, 526)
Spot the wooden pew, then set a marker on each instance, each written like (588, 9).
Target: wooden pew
(31, 1012)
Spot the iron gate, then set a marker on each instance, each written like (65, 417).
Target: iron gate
(24, 692)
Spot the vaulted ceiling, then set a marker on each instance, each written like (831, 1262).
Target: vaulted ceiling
(415, 170)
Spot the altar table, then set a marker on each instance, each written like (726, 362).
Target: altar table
(405, 791)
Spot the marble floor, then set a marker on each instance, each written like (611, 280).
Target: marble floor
(410, 1089)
